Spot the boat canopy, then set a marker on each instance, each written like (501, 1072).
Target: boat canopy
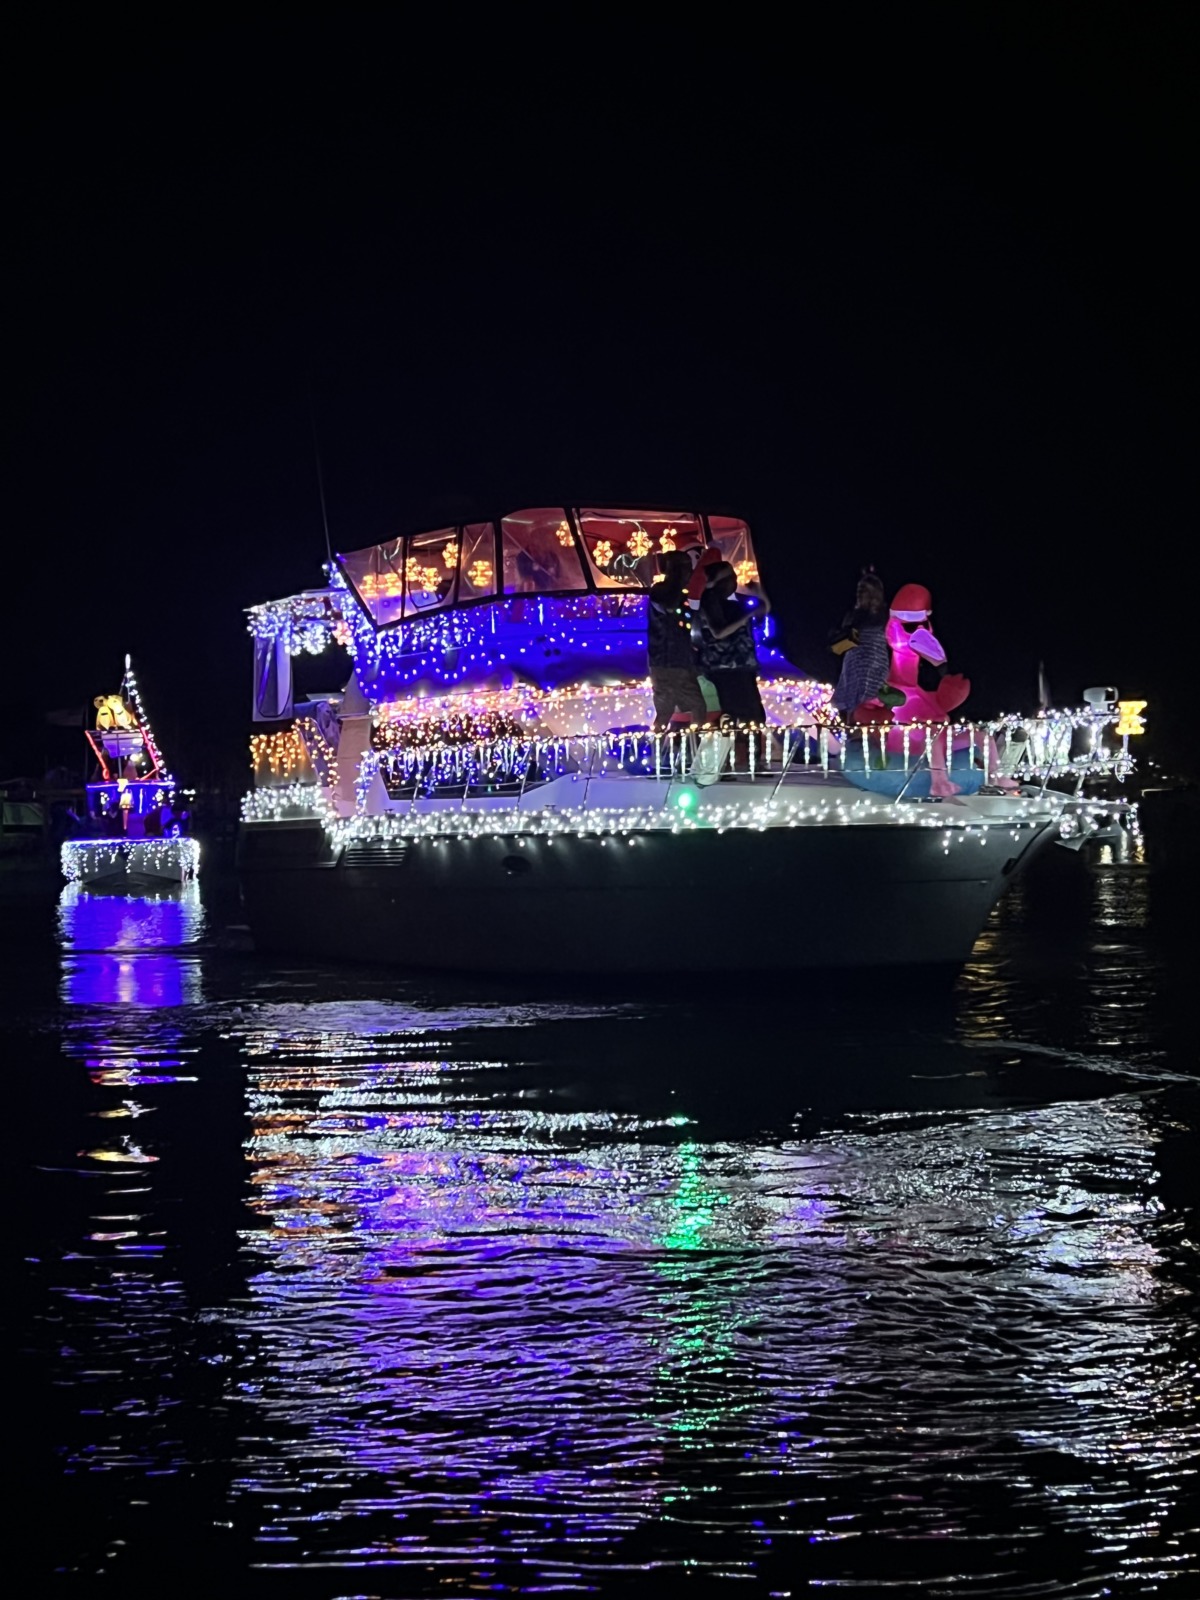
(549, 550)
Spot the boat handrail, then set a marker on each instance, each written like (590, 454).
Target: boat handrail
(1028, 749)
(517, 772)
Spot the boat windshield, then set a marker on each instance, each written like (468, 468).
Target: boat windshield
(548, 550)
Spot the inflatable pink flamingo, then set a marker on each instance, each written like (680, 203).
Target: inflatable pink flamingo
(912, 642)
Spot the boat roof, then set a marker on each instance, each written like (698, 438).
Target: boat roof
(543, 550)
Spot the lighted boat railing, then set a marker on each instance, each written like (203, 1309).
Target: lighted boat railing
(1011, 748)
(1076, 746)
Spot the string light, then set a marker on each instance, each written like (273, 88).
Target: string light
(131, 693)
(577, 708)
(301, 750)
(486, 773)
(89, 860)
(540, 637)
(292, 802)
(306, 623)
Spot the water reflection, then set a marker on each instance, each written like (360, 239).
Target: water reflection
(116, 947)
(129, 968)
(484, 1321)
(416, 1291)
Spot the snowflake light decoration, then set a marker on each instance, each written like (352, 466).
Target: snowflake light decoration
(480, 573)
(640, 543)
(563, 533)
(747, 572)
(380, 585)
(603, 553)
(450, 555)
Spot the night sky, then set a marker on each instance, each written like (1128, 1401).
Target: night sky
(914, 290)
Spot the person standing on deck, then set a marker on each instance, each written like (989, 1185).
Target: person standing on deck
(864, 651)
(672, 661)
(727, 651)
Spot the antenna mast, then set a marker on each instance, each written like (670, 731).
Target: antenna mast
(312, 417)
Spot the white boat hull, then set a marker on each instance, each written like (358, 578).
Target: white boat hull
(780, 899)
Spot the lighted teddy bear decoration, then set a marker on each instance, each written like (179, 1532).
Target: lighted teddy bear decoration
(112, 712)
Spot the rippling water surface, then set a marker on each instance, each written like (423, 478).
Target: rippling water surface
(347, 1284)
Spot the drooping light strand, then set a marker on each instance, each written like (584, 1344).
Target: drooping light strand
(89, 860)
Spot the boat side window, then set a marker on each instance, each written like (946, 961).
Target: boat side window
(732, 538)
(377, 576)
(477, 561)
(540, 553)
(624, 548)
(430, 561)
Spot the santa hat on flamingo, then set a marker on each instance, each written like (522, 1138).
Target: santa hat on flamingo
(912, 603)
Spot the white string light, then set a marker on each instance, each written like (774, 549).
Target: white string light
(85, 860)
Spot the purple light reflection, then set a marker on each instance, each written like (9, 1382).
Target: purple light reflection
(443, 1283)
(121, 950)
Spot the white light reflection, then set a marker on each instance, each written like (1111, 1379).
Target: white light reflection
(546, 1325)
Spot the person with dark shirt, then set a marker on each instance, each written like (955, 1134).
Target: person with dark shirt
(862, 643)
(728, 657)
(673, 679)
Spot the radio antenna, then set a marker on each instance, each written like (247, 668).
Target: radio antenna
(312, 417)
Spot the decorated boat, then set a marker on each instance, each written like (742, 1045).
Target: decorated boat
(133, 834)
(489, 792)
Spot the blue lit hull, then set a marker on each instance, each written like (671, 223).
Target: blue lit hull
(784, 899)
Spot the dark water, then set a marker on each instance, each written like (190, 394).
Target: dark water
(346, 1284)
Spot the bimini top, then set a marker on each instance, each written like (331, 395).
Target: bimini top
(551, 550)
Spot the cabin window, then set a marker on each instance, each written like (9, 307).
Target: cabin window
(378, 578)
(732, 537)
(477, 561)
(430, 562)
(624, 548)
(540, 553)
